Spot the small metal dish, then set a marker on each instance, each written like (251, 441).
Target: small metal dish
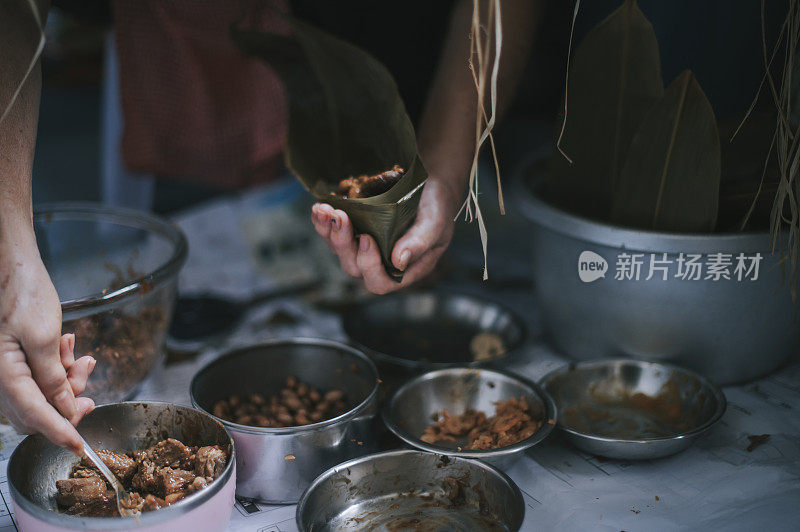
(421, 331)
(631, 409)
(411, 490)
(277, 464)
(418, 402)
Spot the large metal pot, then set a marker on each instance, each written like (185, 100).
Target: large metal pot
(275, 465)
(729, 330)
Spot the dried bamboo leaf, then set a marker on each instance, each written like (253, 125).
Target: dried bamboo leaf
(670, 180)
(615, 78)
(346, 118)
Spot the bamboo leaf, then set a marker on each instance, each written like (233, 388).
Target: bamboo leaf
(615, 78)
(670, 180)
(346, 118)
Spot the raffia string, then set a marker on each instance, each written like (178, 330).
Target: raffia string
(785, 215)
(481, 56)
(36, 55)
(566, 82)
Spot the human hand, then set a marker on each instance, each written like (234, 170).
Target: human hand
(415, 253)
(39, 376)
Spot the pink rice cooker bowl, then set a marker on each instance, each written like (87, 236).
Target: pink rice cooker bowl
(36, 464)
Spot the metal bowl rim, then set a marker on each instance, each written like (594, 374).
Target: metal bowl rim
(506, 480)
(719, 396)
(173, 511)
(312, 427)
(544, 430)
(347, 322)
(537, 210)
(79, 210)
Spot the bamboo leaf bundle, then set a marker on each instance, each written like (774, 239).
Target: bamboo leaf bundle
(671, 176)
(614, 79)
(346, 118)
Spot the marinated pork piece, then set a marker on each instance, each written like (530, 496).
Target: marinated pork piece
(156, 477)
(171, 481)
(82, 490)
(210, 461)
(511, 422)
(121, 465)
(171, 453)
(145, 478)
(366, 186)
(152, 502)
(98, 508)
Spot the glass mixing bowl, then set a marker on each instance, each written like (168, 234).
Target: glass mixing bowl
(116, 274)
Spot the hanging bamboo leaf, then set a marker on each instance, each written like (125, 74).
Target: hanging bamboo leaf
(346, 118)
(614, 79)
(671, 177)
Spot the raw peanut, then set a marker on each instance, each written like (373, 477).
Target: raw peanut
(334, 395)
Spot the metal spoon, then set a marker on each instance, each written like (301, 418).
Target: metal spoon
(124, 505)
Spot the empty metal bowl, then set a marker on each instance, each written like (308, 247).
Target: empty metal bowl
(36, 464)
(411, 490)
(276, 464)
(417, 403)
(631, 409)
(420, 331)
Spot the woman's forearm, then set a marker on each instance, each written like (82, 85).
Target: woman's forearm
(447, 131)
(19, 109)
(17, 143)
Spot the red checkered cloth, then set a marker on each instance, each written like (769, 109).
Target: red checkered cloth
(194, 107)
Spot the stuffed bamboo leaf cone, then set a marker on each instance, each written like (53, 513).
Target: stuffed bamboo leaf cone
(346, 118)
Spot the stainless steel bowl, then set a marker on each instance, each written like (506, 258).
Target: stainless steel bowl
(633, 410)
(36, 464)
(407, 490)
(420, 331)
(728, 330)
(277, 464)
(116, 273)
(414, 406)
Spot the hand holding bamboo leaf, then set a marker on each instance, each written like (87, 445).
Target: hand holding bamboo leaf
(415, 253)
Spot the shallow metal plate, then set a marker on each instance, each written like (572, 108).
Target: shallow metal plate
(632, 409)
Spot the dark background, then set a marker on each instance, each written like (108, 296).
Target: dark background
(719, 39)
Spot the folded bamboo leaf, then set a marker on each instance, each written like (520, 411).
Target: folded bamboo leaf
(614, 79)
(346, 118)
(670, 180)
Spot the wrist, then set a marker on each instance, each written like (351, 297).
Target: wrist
(16, 229)
(450, 194)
